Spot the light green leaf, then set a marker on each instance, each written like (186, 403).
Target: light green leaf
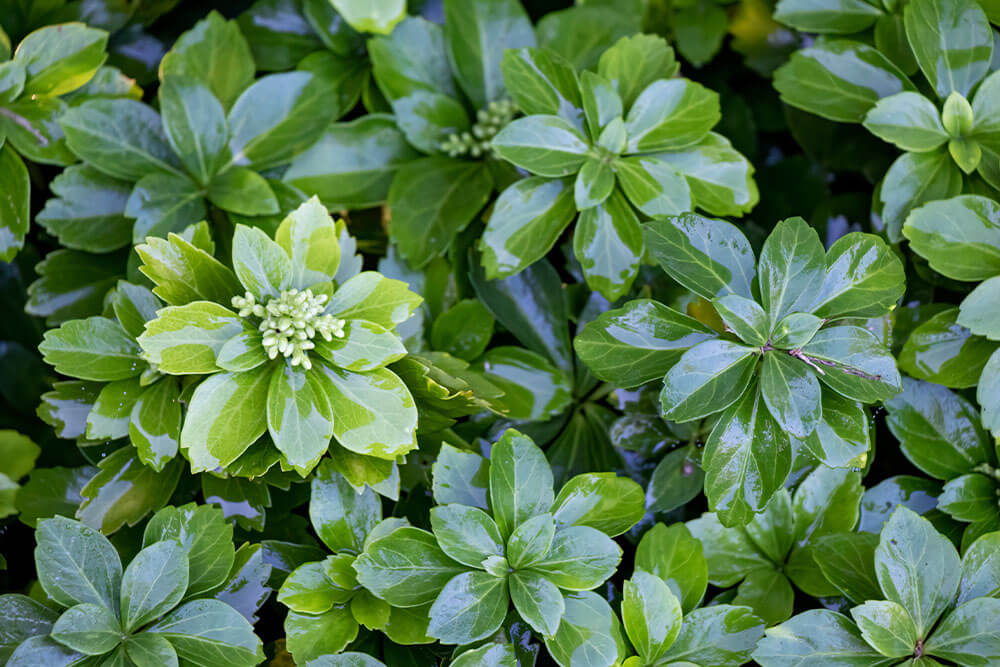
(58, 59)
(674, 555)
(792, 393)
(720, 177)
(912, 180)
(76, 564)
(153, 584)
(604, 501)
(154, 425)
(581, 558)
(967, 635)
(953, 43)
(309, 237)
(541, 81)
(635, 62)
(589, 632)
(89, 628)
(544, 145)
(539, 602)
(670, 114)
(406, 568)
(15, 206)
(909, 120)
(653, 185)
(818, 632)
(608, 244)
(185, 340)
(96, 348)
(886, 626)
(210, 632)
(652, 615)
(854, 363)
(471, 606)
(373, 297)
(864, 278)
(520, 481)
(299, 416)
(708, 378)
(791, 268)
(183, 273)
(195, 125)
(466, 534)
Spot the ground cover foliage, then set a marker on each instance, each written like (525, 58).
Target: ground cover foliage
(499, 333)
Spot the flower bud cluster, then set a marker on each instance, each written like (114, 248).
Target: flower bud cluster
(290, 322)
(476, 142)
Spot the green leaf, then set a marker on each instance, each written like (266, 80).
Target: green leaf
(406, 568)
(374, 412)
(543, 144)
(96, 348)
(847, 561)
(205, 536)
(262, 266)
(839, 17)
(747, 458)
(164, 203)
(226, 414)
(720, 634)
(580, 558)
(15, 206)
(674, 555)
(299, 416)
(976, 313)
(76, 564)
(89, 628)
(520, 481)
(307, 590)
(42, 650)
(917, 567)
(708, 378)
(52, 492)
(184, 273)
(210, 632)
(709, 257)
(603, 106)
(352, 164)
(792, 394)
(938, 430)
(470, 607)
(185, 340)
(909, 120)
(341, 516)
(149, 650)
(986, 393)
(109, 417)
(745, 318)
(464, 330)
(364, 347)
(854, 363)
(699, 31)
(670, 114)
(942, 351)
(839, 80)
(594, 184)
(466, 534)
(23, 618)
(123, 138)
(637, 343)
(310, 636)
(378, 16)
(432, 200)
(653, 185)
(608, 244)
(195, 125)
(533, 389)
(309, 237)
(969, 498)
(791, 268)
(60, 59)
(155, 424)
(89, 210)
(604, 501)
(915, 179)
(476, 36)
(279, 116)
(842, 438)
(720, 177)
(243, 191)
(373, 297)
(818, 632)
(864, 278)
(635, 62)
(531, 541)
(886, 626)
(538, 601)
(980, 569)
(526, 221)
(590, 629)
(412, 57)
(541, 81)
(153, 584)
(460, 477)
(652, 615)
(953, 44)
(768, 593)
(124, 491)
(959, 237)
(967, 635)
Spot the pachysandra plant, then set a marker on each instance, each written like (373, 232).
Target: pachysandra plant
(789, 357)
(661, 608)
(216, 130)
(940, 432)
(500, 535)
(48, 66)
(778, 547)
(160, 610)
(929, 606)
(958, 237)
(291, 346)
(17, 458)
(604, 148)
(951, 145)
(326, 603)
